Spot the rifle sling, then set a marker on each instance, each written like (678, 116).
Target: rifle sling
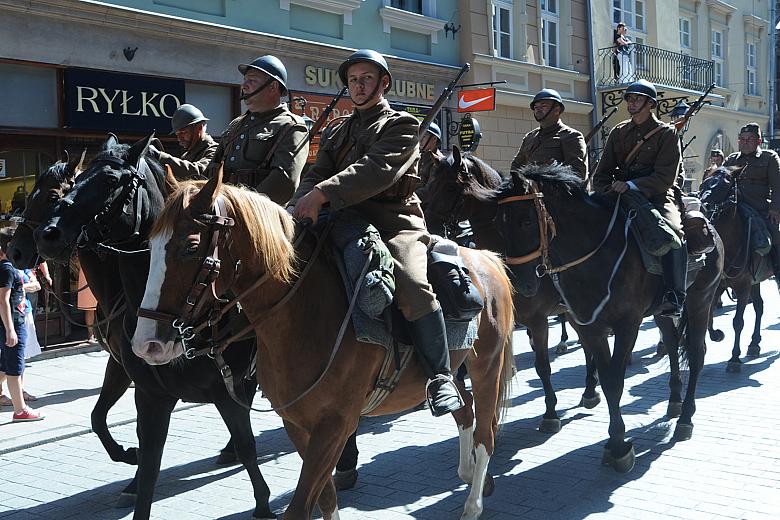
(635, 150)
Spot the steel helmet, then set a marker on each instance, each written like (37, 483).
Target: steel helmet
(369, 56)
(550, 94)
(434, 130)
(642, 87)
(272, 66)
(186, 115)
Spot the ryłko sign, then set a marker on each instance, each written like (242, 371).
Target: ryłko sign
(97, 100)
(329, 78)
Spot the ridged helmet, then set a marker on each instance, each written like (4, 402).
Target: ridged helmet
(434, 130)
(186, 115)
(642, 87)
(271, 65)
(369, 56)
(550, 94)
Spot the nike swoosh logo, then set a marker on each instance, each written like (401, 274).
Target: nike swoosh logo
(462, 103)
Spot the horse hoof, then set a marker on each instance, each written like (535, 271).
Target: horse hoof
(561, 348)
(490, 486)
(753, 350)
(625, 463)
(131, 456)
(344, 480)
(590, 402)
(717, 335)
(606, 457)
(683, 431)
(125, 500)
(550, 425)
(674, 409)
(265, 515)
(226, 457)
(734, 367)
(660, 349)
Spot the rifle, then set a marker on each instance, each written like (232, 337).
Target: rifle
(320, 122)
(445, 95)
(693, 109)
(686, 145)
(598, 126)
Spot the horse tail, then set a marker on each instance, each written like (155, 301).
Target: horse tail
(683, 343)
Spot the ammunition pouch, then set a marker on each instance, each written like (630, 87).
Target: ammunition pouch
(656, 235)
(402, 190)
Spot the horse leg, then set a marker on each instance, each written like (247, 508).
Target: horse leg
(115, 384)
(562, 347)
(320, 449)
(715, 334)
(694, 347)
(734, 364)
(464, 418)
(537, 330)
(228, 454)
(236, 418)
(754, 349)
(154, 417)
(346, 468)
(590, 397)
(670, 338)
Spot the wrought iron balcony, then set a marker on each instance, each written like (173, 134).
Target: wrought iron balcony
(658, 66)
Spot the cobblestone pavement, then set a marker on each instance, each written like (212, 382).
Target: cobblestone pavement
(729, 470)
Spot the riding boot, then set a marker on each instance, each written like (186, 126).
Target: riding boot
(675, 272)
(430, 341)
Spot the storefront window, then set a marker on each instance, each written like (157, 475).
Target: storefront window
(28, 96)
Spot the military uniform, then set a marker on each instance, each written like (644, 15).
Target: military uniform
(653, 170)
(192, 163)
(265, 151)
(559, 143)
(360, 164)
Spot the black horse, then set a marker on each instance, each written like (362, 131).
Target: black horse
(744, 269)
(596, 266)
(463, 186)
(107, 216)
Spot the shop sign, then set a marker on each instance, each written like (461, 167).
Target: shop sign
(3, 172)
(313, 106)
(477, 100)
(120, 102)
(469, 134)
(329, 78)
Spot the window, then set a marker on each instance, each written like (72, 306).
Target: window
(414, 6)
(630, 12)
(550, 34)
(502, 29)
(716, 50)
(751, 85)
(685, 33)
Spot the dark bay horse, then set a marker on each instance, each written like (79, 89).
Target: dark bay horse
(463, 186)
(744, 269)
(111, 209)
(317, 379)
(598, 270)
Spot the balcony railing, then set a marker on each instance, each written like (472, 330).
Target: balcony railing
(658, 66)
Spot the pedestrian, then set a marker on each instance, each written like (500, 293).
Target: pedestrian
(189, 126)
(621, 58)
(716, 157)
(759, 184)
(642, 155)
(367, 162)
(553, 141)
(266, 148)
(87, 302)
(12, 329)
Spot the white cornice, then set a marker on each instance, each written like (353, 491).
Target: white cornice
(754, 23)
(392, 17)
(721, 7)
(524, 67)
(341, 7)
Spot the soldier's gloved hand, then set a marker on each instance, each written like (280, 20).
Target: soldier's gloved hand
(309, 206)
(619, 187)
(153, 152)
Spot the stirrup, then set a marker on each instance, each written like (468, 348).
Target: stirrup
(672, 305)
(444, 385)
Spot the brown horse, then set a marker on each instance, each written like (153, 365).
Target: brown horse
(743, 271)
(316, 379)
(463, 186)
(597, 269)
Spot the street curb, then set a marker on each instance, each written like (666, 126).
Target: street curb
(82, 347)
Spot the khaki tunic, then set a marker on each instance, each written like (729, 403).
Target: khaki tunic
(379, 146)
(193, 162)
(559, 143)
(265, 151)
(759, 183)
(653, 170)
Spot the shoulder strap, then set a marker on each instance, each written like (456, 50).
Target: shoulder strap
(279, 137)
(635, 150)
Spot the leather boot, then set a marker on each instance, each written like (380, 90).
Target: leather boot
(430, 342)
(675, 273)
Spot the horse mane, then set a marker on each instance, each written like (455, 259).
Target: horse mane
(119, 151)
(553, 176)
(482, 188)
(269, 228)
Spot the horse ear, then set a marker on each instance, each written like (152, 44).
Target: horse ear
(111, 142)
(457, 158)
(138, 150)
(74, 165)
(170, 180)
(203, 201)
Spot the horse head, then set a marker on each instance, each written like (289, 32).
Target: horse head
(49, 188)
(114, 201)
(188, 237)
(718, 186)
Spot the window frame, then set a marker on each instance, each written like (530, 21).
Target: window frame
(684, 20)
(625, 11)
(497, 5)
(550, 16)
(751, 62)
(718, 56)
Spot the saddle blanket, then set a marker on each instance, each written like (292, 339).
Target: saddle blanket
(653, 263)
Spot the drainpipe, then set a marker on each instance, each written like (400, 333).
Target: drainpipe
(594, 118)
(772, 67)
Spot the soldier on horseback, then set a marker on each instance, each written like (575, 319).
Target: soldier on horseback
(759, 184)
(189, 126)
(553, 140)
(266, 148)
(369, 163)
(641, 161)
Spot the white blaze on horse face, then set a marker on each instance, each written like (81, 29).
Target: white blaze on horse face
(146, 344)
